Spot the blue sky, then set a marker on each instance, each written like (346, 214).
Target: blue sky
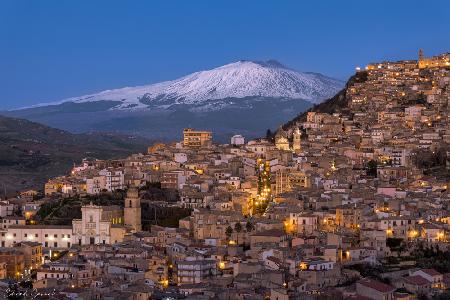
(51, 50)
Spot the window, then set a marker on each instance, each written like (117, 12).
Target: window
(46, 244)
(46, 235)
(36, 235)
(25, 234)
(55, 244)
(55, 236)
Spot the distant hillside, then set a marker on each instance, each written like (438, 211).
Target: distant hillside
(30, 153)
(338, 102)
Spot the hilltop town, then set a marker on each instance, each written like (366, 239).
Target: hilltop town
(347, 201)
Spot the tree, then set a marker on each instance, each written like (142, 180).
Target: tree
(228, 232)
(270, 135)
(249, 226)
(238, 229)
(371, 168)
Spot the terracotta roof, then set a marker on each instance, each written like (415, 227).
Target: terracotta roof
(357, 297)
(431, 272)
(40, 227)
(376, 285)
(416, 280)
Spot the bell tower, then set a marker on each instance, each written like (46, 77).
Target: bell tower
(132, 210)
(296, 145)
(422, 62)
(421, 54)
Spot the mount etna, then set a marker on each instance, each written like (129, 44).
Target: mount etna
(245, 97)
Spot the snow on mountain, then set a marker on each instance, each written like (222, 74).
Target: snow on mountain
(236, 80)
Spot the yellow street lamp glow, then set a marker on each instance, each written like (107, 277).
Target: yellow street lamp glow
(165, 282)
(303, 266)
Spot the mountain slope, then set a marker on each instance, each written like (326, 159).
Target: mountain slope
(30, 152)
(236, 80)
(338, 102)
(244, 97)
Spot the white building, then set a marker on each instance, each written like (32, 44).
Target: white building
(95, 225)
(95, 184)
(195, 270)
(6, 209)
(114, 179)
(301, 222)
(50, 236)
(237, 140)
(180, 157)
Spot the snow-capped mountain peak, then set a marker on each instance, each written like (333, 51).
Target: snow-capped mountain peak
(241, 79)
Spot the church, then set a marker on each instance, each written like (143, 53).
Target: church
(439, 61)
(282, 141)
(108, 224)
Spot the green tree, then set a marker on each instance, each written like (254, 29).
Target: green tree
(269, 135)
(371, 168)
(249, 226)
(228, 232)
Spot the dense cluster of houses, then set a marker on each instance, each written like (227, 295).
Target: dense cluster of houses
(293, 218)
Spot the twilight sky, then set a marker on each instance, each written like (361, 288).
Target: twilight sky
(51, 50)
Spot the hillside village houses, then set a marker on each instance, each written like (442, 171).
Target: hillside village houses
(287, 217)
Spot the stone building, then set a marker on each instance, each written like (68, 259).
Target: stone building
(132, 210)
(95, 225)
